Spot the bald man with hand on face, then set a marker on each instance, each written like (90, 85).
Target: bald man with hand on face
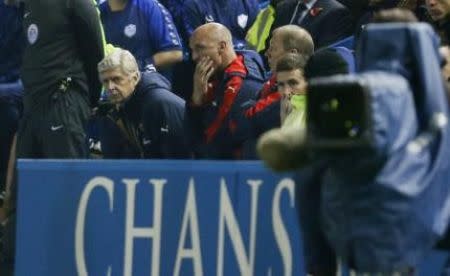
(223, 80)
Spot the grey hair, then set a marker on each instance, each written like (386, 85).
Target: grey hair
(121, 59)
(295, 37)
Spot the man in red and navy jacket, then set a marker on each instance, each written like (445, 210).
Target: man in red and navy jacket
(223, 81)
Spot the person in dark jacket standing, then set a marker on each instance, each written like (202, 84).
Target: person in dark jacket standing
(223, 81)
(64, 43)
(59, 74)
(145, 119)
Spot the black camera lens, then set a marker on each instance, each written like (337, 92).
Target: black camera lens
(340, 114)
(337, 114)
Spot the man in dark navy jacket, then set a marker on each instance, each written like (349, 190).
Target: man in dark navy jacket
(327, 21)
(145, 119)
(223, 80)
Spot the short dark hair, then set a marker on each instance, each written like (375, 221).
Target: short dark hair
(325, 62)
(291, 62)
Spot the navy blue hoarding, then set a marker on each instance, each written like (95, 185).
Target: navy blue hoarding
(158, 218)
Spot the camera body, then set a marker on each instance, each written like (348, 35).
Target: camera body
(364, 112)
(384, 137)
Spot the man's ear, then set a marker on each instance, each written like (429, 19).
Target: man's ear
(222, 46)
(136, 77)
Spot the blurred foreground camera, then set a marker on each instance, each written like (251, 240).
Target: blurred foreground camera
(381, 209)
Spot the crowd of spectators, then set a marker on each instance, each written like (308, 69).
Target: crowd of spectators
(185, 79)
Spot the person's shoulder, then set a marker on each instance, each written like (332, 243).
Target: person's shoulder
(254, 64)
(145, 8)
(154, 85)
(250, 55)
(331, 9)
(146, 4)
(157, 98)
(285, 4)
(331, 5)
(153, 78)
(193, 4)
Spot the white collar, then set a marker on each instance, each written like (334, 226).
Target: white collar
(310, 4)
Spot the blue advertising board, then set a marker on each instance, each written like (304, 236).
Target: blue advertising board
(158, 218)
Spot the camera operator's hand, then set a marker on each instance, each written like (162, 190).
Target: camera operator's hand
(203, 71)
(283, 149)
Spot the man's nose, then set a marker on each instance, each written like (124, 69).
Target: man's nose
(110, 85)
(285, 91)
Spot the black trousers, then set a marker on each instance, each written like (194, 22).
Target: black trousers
(55, 127)
(52, 128)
